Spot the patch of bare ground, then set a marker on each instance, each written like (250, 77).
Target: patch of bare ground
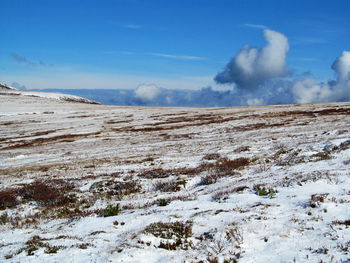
(159, 116)
(221, 166)
(207, 119)
(8, 123)
(255, 127)
(157, 127)
(82, 116)
(315, 113)
(118, 122)
(70, 167)
(41, 133)
(49, 140)
(343, 223)
(29, 169)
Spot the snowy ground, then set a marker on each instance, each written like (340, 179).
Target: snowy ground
(92, 183)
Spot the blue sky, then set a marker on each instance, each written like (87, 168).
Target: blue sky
(178, 44)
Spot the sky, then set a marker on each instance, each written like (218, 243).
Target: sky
(181, 45)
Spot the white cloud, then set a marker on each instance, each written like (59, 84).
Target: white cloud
(256, 26)
(252, 67)
(147, 92)
(342, 66)
(254, 101)
(182, 57)
(308, 90)
(132, 26)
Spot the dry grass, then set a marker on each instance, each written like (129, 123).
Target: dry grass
(211, 156)
(343, 223)
(169, 186)
(51, 140)
(225, 165)
(220, 167)
(206, 119)
(316, 199)
(171, 230)
(156, 173)
(117, 189)
(223, 194)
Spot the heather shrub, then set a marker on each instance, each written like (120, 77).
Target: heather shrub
(7, 199)
(211, 156)
(225, 165)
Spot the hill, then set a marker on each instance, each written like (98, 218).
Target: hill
(94, 183)
(6, 90)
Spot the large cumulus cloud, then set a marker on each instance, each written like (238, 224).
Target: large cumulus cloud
(259, 76)
(252, 67)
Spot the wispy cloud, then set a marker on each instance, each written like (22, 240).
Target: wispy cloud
(256, 26)
(23, 60)
(132, 26)
(182, 57)
(120, 52)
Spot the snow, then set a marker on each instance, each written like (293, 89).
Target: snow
(8, 90)
(48, 138)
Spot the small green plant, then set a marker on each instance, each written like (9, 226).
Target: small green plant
(51, 250)
(263, 191)
(111, 210)
(163, 202)
(4, 218)
(272, 194)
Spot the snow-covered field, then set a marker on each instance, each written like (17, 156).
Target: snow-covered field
(92, 183)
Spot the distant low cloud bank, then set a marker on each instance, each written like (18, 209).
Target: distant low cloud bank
(309, 90)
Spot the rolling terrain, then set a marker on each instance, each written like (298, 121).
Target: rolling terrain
(81, 182)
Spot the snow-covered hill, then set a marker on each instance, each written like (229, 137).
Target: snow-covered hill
(8, 90)
(94, 183)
